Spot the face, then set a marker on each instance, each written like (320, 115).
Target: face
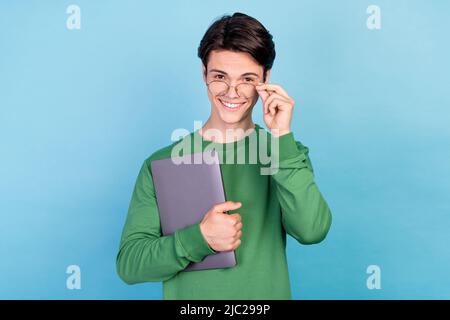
(232, 104)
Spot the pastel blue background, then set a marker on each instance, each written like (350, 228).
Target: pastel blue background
(80, 110)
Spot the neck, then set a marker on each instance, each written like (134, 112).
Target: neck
(222, 132)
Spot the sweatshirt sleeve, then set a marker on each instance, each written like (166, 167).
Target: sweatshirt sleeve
(144, 254)
(305, 213)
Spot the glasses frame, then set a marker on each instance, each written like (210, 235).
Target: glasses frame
(230, 86)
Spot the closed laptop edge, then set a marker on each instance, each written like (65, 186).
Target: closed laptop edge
(186, 188)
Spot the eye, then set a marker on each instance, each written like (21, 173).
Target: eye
(249, 80)
(219, 77)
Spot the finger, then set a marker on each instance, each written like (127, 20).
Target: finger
(273, 97)
(265, 87)
(238, 235)
(263, 94)
(236, 244)
(238, 226)
(265, 104)
(235, 218)
(271, 107)
(274, 87)
(278, 104)
(233, 222)
(268, 117)
(226, 206)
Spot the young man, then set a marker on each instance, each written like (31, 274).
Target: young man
(237, 54)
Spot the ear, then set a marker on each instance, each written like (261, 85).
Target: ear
(204, 72)
(267, 76)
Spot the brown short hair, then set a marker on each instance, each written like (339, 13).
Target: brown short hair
(240, 33)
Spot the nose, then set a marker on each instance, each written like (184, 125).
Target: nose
(232, 92)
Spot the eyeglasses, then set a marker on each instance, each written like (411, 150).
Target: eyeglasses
(243, 89)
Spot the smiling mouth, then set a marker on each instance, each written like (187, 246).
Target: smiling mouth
(231, 106)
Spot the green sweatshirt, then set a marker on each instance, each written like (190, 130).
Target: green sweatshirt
(288, 201)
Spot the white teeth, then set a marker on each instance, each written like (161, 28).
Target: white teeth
(231, 105)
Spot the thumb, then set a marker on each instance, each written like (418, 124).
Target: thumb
(263, 94)
(226, 206)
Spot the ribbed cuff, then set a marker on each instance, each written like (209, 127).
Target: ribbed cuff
(193, 243)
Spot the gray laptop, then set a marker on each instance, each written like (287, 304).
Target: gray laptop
(185, 192)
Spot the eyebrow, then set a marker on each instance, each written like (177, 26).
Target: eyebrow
(242, 75)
